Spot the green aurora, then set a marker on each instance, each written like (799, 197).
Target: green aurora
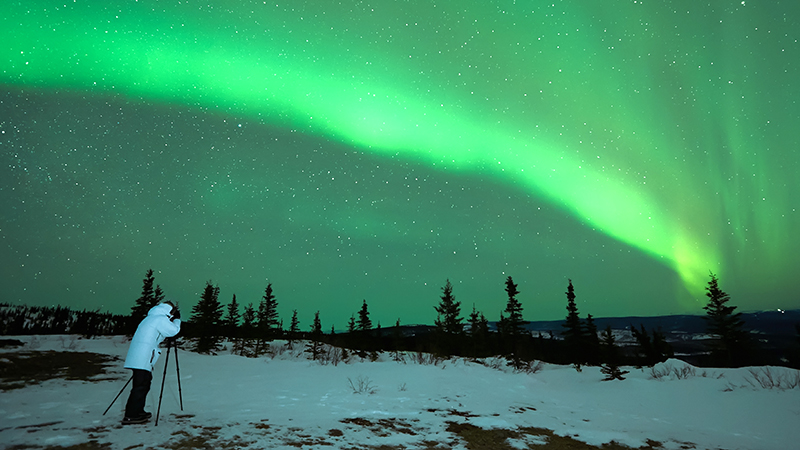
(666, 132)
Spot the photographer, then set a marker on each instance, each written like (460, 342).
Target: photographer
(162, 321)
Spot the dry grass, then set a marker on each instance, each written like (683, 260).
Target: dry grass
(91, 445)
(19, 369)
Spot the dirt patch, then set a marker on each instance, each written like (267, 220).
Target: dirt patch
(20, 369)
(480, 439)
(91, 445)
(477, 438)
(384, 427)
(207, 439)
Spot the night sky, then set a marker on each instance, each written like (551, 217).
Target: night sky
(372, 150)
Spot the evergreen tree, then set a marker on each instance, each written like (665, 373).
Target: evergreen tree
(294, 327)
(207, 317)
(661, 348)
(397, 341)
(364, 324)
(591, 340)
(351, 325)
(231, 321)
(145, 301)
(248, 320)
(573, 332)
(268, 324)
(449, 312)
(515, 325)
(511, 326)
(722, 321)
(158, 294)
(243, 346)
(478, 331)
(315, 346)
(611, 356)
(654, 350)
(473, 322)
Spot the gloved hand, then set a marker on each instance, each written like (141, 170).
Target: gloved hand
(176, 313)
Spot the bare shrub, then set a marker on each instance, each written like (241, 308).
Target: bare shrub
(426, 358)
(398, 356)
(273, 351)
(330, 355)
(658, 373)
(767, 378)
(496, 363)
(362, 385)
(684, 372)
(676, 373)
(529, 367)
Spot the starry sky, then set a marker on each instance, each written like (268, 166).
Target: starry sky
(371, 150)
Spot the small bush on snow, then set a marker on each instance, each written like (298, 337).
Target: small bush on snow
(362, 385)
(529, 367)
(682, 372)
(773, 378)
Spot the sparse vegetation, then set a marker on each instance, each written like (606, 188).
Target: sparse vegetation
(362, 385)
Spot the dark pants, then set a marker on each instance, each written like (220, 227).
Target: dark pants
(141, 386)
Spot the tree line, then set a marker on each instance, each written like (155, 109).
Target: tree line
(251, 327)
(579, 342)
(20, 320)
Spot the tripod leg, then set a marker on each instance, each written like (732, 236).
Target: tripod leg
(178, 367)
(166, 361)
(120, 393)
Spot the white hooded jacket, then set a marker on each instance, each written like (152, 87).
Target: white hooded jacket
(143, 352)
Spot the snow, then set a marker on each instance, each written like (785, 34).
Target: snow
(287, 401)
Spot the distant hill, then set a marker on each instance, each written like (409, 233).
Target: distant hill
(774, 323)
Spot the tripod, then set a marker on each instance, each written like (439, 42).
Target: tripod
(171, 342)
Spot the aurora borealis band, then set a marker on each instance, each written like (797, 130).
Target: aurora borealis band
(372, 150)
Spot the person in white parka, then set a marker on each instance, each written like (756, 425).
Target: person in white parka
(162, 321)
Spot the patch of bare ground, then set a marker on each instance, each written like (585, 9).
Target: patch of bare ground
(208, 439)
(91, 445)
(384, 427)
(19, 369)
(556, 442)
(477, 438)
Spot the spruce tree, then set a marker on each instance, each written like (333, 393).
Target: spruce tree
(397, 341)
(145, 301)
(653, 349)
(315, 345)
(243, 345)
(351, 324)
(515, 326)
(573, 332)
(473, 322)
(591, 340)
(478, 331)
(294, 328)
(207, 317)
(248, 320)
(232, 317)
(611, 357)
(268, 324)
(449, 312)
(364, 324)
(511, 326)
(158, 294)
(727, 325)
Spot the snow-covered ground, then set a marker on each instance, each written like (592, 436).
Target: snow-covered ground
(287, 401)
